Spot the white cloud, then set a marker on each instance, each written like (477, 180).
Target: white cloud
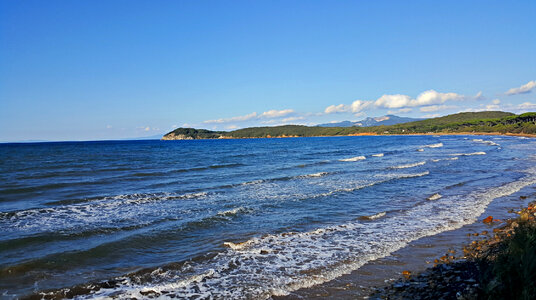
(429, 97)
(431, 116)
(276, 113)
(493, 107)
(432, 108)
(527, 106)
(432, 97)
(356, 107)
(231, 127)
(337, 109)
(233, 119)
(271, 114)
(290, 119)
(393, 101)
(526, 88)
(108, 126)
(479, 96)
(496, 101)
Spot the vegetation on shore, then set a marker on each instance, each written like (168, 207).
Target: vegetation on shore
(473, 122)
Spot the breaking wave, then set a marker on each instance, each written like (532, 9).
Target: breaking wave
(276, 264)
(491, 143)
(373, 217)
(434, 197)
(412, 165)
(438, 145)
(469, 154)
(356, 158)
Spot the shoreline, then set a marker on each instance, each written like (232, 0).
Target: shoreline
(364, 134)
(418, 257)
(487, 268)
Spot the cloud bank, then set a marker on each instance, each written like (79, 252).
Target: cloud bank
(431, 99)
(524, 89)
(271, 114)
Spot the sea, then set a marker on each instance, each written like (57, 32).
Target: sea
(235, 218)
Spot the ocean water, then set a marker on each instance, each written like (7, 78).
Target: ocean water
(227, 219)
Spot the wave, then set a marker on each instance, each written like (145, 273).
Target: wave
(319, 174)
(491, 143)
(438, 145)
(440, 159)
(469, 154)
(409, 165)
(231, 212)
(378, 155)
(277, 264)
(434, 197)
(103, 212)
(362, 186)
(284, 178)
(356, 158)
(372, 217)
(420, 150)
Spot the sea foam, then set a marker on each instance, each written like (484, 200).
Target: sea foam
(412, 165)
(356, 158)
(277, 264)
(469, 154)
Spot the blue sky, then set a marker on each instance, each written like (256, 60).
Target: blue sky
(83, 70)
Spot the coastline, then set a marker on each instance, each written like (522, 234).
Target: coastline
(500, 265)
(419, 257)
(363, 134)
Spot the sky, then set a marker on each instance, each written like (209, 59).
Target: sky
(91, 70)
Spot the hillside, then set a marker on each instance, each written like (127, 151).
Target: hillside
(471, 122)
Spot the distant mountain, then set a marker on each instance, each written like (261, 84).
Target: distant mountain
(368, 122)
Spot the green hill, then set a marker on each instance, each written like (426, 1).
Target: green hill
(470, 122)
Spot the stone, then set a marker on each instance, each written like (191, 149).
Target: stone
(488, 220)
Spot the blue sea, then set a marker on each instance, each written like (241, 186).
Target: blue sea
(248, 218)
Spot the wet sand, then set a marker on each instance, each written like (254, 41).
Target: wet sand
(415, 257)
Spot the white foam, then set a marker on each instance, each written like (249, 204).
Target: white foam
(319, 174)
(420, 150)
(438, 145)
(277, 264)
(239, 246)
(377, 216)
(356, 158)
(378, 155)
(388, 177)
(231, 212)
(440, 159)
(490, 143)
(434, 197)
(126, 209)
(253, 182)
(469, 154)
(412, 165)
